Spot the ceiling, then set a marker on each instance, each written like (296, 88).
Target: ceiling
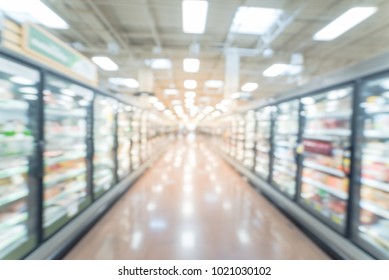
(131, 31)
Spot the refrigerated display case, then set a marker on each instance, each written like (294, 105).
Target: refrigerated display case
(263, 141)
(326, 158)
(249, 140)
(66, 191)
(136, 139)
(124, 141)
(18, 158)
(104, 165)
(285, 139)
(373, 177)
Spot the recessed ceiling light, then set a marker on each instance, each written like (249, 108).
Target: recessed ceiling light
(190, 94)
(191, 65)
(254, 20)
(249, 86)
(153, 100)
(194, 16)
(190, 84)
(214, 83)
(105, 63)
(276, 70)
(159, 63)
(35, 9)
(170, 91)
(131, 83)
(344, 23)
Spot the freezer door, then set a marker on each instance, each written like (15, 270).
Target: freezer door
(263, 142)
(19, 113)
(124, 140)
(286, 128)
(373, 175)
(104, 116)
(326, 158)
(66, 192)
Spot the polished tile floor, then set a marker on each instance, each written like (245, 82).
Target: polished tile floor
(193, 205)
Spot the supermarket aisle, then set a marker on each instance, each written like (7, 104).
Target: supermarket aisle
(192, 205)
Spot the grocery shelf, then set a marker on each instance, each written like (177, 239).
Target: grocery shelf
(328, 132)
(375, 184)
(376, 134)
(376, 158)
(330, 115)
(52, 182)
(374, 209)
(13, 171)
(12, 104)
(56, 160)
(13, 197)
(323, 168)
(338, 193)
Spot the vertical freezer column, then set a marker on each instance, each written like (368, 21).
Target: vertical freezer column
(373, 220)
(104, 144)
(18, 166)
(286, 128)
(326, 158)
(249, 140)
(65, 162)
(263, 145)
(124, 141)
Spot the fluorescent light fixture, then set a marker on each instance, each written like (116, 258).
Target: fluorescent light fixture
(105, 63)
(190, 94)
(194, 16)
(190, 84)
(249, 86)
(159, 63)
(35, 9)
(170, 91)
(21, 81)
(344, 23)
(214, 83)
(131, 83)
(276, 70)
(191, 65)
(176, 102)
(254, 20)
(153, 100)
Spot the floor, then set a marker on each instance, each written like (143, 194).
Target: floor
(193, 205)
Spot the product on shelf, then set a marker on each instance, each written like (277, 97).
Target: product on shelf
(326, 157)
(18, 119)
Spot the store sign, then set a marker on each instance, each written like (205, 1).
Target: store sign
(42, 44)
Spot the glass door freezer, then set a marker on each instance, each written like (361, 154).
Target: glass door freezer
(18, 158)
(286, 129)
(124, 141)
(66, 191)
(263, 142)
(372, 224)
(104, 129)
(326, 159)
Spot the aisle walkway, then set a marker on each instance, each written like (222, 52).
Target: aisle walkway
(192, 205)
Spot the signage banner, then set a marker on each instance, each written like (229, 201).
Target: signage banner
(42, 44)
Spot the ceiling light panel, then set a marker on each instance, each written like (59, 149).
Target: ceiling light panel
(194, 16)
(159, 63)
(190, 84)
(344, 23)
(254, 20)
(105, 63)
(36, 9)
(276, 70)
(170, 91)
(249, 86)
(214, 84)
(191, 65)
